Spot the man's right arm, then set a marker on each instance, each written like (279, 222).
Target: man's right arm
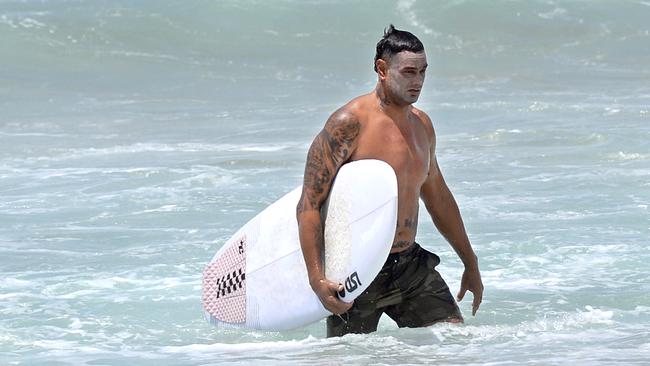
(331, 148)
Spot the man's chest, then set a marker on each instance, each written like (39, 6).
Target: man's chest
(405, 147)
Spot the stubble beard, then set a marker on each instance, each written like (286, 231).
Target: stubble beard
(400, 95)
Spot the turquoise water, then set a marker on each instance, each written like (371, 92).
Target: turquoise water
(136, 137)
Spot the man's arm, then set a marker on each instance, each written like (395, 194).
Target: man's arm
(331, 148)
(441, 205)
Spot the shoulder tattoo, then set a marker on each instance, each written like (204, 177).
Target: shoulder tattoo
(332, 148)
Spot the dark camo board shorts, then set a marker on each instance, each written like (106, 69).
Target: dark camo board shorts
(408, 289)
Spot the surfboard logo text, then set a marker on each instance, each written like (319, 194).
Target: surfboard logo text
(352, 282)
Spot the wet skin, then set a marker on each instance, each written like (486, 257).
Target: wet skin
(382, 125)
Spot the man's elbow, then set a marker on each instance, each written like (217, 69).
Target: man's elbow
(302, 207)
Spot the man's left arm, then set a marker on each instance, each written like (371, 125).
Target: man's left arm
(441, 205)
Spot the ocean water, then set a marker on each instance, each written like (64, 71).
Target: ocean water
(137, 136)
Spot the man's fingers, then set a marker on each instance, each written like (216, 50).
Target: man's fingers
(333, 287)
(461, 293)
(331, 301)
(471, 282)
(336, 306)
(475, 304)
(478, 298)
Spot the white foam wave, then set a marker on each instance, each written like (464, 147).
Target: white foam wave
(69, 154)
(33, 134)
(642, 308)
(626, 156)
(526, 284)
(271, 148)
(16, 22)
(208, 179)
(538, 106)
(610, 111)
(580, 319)
(406, 8)
(415, 343)
(164, 208)
(140, 54)
(50, 252)
(245, 348)
(553, 14)
(144, 284)
(9, 282)
(75, 353)
(65, 345)
(11, 295)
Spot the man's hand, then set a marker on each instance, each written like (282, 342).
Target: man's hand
(471, 281)
(327, 294)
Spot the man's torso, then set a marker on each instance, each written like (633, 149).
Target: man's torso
(405, 145)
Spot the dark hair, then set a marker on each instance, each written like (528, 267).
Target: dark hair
(395, 41)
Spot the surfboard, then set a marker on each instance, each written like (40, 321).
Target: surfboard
(258, 278)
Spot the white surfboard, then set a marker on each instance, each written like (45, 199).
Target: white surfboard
(258, 279)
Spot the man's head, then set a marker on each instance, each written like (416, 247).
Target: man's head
(400, 63)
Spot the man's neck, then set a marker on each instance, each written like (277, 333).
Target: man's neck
(388, 105)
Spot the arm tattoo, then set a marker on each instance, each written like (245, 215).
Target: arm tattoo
(332, 148)
(411, 223)
(341, 140)
(317, 174)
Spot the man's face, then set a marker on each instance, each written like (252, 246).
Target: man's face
(405, 76)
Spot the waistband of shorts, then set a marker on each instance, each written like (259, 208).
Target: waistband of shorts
(411, 250)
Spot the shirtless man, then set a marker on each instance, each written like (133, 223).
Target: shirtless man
(384, 125)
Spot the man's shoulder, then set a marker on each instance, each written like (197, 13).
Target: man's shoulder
(426, 122)
(352, 111)
(424, 119)
(422, 115)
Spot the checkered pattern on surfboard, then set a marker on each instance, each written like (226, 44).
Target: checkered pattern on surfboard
(224, 285)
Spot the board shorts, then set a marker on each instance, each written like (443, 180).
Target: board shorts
(408, 289)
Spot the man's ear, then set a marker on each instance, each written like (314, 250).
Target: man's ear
(382, 68)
